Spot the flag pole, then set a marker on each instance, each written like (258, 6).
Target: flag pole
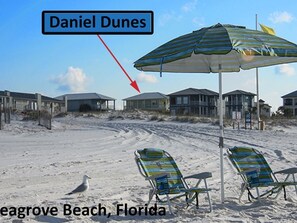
(257, 85)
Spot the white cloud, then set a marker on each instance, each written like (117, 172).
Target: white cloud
(198, 21)
(286, 69)
(173, 16)
(74, 80)
(189, 6)
(281, 17)
(167, 17)
(142, 77)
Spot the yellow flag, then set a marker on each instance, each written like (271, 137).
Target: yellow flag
(267, 29)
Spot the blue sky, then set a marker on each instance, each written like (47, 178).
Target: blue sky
(57, 64)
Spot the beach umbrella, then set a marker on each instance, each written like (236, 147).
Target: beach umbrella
(217, 49)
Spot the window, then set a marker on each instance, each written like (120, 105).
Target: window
(141, 104)
(154, 103)
(172, 101)
(178, 100)
(185, 100)
(288, 101)
(134, 104)
(147, 103)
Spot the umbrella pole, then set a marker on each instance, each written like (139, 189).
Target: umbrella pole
(221, 141)
(257, 86)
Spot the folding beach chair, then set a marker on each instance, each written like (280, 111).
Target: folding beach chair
(160, 169)
(256, 173)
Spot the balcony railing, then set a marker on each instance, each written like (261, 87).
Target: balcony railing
(202, 103)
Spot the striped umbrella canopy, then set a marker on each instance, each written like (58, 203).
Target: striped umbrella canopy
(231, 47)
(216, 49)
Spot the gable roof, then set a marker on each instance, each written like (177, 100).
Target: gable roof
(28, 96)
(194, 91)
(292, 94)
(85, 96)
(239, 92)
(147, 96)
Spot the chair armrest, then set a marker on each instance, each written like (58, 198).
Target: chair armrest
(292, 170)
(202, 175)
(157, 176)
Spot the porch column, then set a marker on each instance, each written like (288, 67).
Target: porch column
(65, 103)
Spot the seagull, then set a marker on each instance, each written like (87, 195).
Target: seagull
(83, 187)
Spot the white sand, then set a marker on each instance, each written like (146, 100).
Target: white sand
(38, 166)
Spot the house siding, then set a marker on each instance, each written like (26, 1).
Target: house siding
(239, 102)
(148, 104)
(95, 101)
(27, 101)
(202, 105)
(153, 101)
(290, 103)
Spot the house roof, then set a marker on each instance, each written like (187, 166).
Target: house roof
(292, 94)
(194, 91)
(239, 92)
(85, 96)
(28, 96)
(147, 96)
(266, 105)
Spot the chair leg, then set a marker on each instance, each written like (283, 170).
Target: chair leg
(250, 196)
(187, 198)
(278, 192)
(169, 204)
(285, 194)
(258, 194)
(242, 189)
(197, 201)
(151, 194)
(280, 189)
(295, 182)
(208, 196)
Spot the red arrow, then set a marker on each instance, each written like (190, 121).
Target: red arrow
(133, 83)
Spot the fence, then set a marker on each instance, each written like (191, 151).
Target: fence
(45, 117)
(1, 122)
(5, 111)
(34, 107)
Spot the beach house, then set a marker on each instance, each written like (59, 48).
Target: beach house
(192, 101)
(154, 101)
(27, 101)
(290, 102)
(238, 101)
(84, 102)
(265, 109)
